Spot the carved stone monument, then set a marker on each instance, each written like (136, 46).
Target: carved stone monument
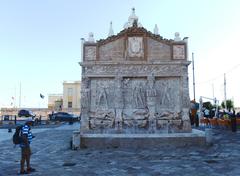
(134, 83)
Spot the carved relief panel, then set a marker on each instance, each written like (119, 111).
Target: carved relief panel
(90, 53)
(135, 47)
(179, 52)
(168, 94)
(102, 94)
(134, 93)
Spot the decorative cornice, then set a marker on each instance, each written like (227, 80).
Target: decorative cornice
(119, 63)
(134, 31)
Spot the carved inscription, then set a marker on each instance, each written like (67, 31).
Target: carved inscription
(178, 52)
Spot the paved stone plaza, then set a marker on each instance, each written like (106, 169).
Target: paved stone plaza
(52, 156)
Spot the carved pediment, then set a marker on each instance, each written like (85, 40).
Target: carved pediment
(134, 31)
(135, 44)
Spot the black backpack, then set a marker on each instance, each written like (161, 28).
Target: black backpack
(17, 136)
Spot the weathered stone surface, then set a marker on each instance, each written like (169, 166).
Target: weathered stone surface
(158, 51)
(137, 85)
(90, 53)
(134, 69)
(179, 52)
(112, 51)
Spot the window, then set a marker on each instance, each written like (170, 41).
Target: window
(69, 104)
(70, 91)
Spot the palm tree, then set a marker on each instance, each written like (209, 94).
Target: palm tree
(230, 105)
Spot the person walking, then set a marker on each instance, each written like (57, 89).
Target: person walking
(233, 122)
(25, 147)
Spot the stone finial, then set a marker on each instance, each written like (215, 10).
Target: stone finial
(110, 33)
(177, 36)
(131, 20)
(91, 37)
(155, 30)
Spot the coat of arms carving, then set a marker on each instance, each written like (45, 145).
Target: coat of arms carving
(135, 47)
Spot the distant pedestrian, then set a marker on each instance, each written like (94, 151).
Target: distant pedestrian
(15, 119)
(206, 113)
(40, 119)
(233, 122)
(25, 147)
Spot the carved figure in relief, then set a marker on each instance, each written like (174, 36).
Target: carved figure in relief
(141, 117)
(166, 94)
(168, 115)
(118, 92)
(85, 98)
(85, 93)
(151, 102)
(151, 91)
(102, 102)
(101, 119)
(138, 96)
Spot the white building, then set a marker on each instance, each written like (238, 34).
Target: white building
(71, 95)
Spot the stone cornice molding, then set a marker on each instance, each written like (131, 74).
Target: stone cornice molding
(134, 31)
(92, 63)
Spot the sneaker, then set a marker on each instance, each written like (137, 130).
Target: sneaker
(23, 172)
(31, 170)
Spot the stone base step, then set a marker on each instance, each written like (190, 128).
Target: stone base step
(196, 137)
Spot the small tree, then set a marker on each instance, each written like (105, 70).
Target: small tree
(208, 105)
(230, 105)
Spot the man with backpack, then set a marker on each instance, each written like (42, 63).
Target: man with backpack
(26, 139)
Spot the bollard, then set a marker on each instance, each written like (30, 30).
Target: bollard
(76, 140)
(209, 136)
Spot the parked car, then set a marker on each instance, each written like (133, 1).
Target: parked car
(25, 114)
(64, 116)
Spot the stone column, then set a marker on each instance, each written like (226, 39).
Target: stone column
(118, 102)
(151, 102)
(185, 101)
(85, 104)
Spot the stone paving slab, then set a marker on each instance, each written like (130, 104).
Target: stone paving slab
(52, 156)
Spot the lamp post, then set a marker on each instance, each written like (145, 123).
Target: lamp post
(193, 76)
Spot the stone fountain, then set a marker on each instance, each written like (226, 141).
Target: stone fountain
(135, 90)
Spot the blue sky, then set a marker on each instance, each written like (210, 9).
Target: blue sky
(40, 41)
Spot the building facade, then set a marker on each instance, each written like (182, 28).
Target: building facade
(71, 95)
(55, 101)
(135, 82)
